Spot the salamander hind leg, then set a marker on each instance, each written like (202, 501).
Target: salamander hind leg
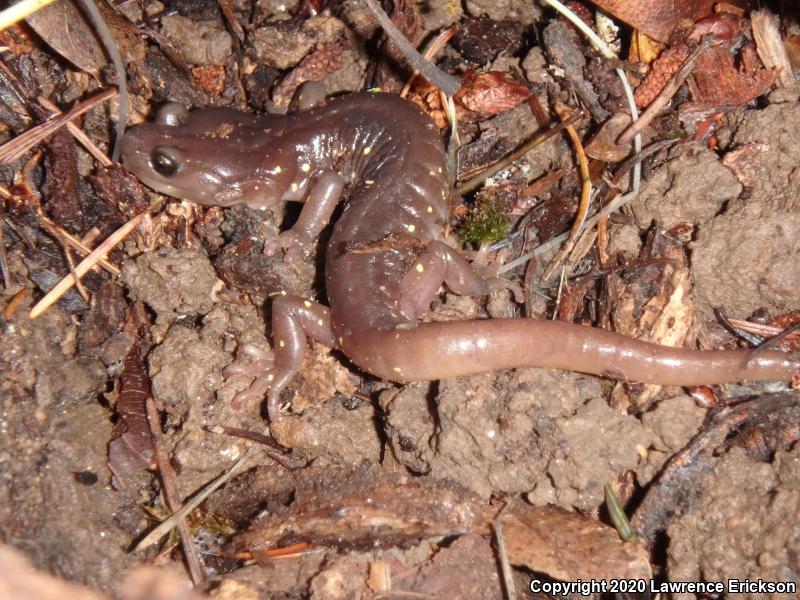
(293, 320)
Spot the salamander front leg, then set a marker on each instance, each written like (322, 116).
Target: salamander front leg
(293, 319)
(437, 264)
(321, 202)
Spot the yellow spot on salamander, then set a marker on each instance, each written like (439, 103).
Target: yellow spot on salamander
(281, 343)
(305, 167)
(432, 173)
(270, 377)
(397, 370)
(306, 303)
(340, 340)
(276, 171)
(293, 187)
(411, 228)
(367, 150)
(319, 322)
(429, 209)
(420, 268)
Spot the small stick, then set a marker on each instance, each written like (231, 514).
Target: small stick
(113, 52)
(17, 147)
(615, 204)
(771, 342)
(502, 164)
(76, 243)
(445, 82)
(665, 95)
(20, 11)
(502, 557)
(169, 481)
(4, 258)
(79, 135)
(583, 206)
(432, 50)
(170, 522)
(87, 263)
(71, 264)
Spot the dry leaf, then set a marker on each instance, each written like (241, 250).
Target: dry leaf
(568, 546)
(657, 18)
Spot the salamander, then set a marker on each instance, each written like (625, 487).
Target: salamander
(387, 256)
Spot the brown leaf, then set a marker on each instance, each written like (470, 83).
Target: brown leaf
(65, 30)
(720, 83)
(603, 145)
(131, 446)
(657, 18)
(568, 546)
(366, 508)
(491, 93)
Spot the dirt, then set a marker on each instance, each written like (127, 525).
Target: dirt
(732, 266)
(746, 527)
(548, 437)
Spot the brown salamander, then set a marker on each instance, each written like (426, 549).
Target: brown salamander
(387, 256)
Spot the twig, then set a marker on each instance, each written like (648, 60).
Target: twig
(502, 556)
(759, 329)
(736, 328)
(432, 50)
(280, 454)
(615, 204)
(163, 528)
(79, 135)
(76, 243)
(4, 258)
(169, 481)
(87, 263)
(771, 342)
(502, 164)
(113, 52)
(608, 54)
(21, 10)
(583, 205)
(71, 264)
(445, 82)
(17, 147)
(665, 95)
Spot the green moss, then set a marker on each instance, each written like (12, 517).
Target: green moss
(487, 223)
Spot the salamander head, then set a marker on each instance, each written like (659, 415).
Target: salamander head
(210, 156)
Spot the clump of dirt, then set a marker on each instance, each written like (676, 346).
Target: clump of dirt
(535, 432)
(691, 186)
(748, 257)
(746, 525)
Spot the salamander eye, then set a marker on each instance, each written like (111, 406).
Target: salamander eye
(166, 161)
